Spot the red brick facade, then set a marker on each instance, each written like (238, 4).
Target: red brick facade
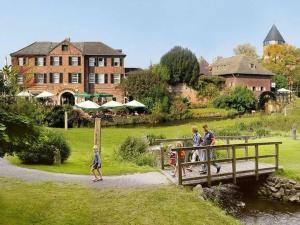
(51, 69)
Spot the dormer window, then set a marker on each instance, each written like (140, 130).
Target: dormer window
(65, 48)
(252, 66)
(116, 62)
(21, 61)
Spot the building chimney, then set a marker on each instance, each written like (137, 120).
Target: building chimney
(68, 39)
(119, 50)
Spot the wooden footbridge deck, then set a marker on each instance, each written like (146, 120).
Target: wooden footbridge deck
(237, 161)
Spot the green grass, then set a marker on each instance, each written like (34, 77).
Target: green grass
(52, 203)
(212, 112)
(81, 142)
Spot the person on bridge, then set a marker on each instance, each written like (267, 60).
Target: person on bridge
(196, 143)
(209, 140)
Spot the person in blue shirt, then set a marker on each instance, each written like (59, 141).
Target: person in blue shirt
(196, 142)
(210, 140)
(96, 165)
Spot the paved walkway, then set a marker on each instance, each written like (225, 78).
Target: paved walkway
(131, 180)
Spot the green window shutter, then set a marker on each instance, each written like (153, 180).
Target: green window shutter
(60, 61)
(70, 61)
(36, 61)
(121, 61)
(106, 78)
(61, 78)
(35, 78)
(51, 77)
(79, 61)
(111, 78)
(45, 59)
(70, 77)
(79, 78)
(51, 60)
(45, 78)
(105, 61)
(112, 61)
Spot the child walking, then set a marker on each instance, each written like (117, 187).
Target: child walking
(96, 166)
(181, 154)
(172, 162)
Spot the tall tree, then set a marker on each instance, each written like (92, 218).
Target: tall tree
(283, 60)
(182, 66)
(245, 49)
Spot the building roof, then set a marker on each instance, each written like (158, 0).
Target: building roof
(87, 48)
(274, 35)
(204, 66)
(239, 64)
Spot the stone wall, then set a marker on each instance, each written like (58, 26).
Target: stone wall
(282, 189)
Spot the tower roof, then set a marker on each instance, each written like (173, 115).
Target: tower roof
(274, 35)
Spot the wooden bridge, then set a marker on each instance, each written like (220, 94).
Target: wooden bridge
(237, 161)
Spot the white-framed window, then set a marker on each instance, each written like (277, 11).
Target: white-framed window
(56, 78)
(40, 78)
(20, 79)
(74, 78)
(56, 61)
(21, 61)
(101, 61)
(92, 61)
(40, 61)
(101, 78)
(74, 61)
(91, 78)
(116, 62)
(116, 78)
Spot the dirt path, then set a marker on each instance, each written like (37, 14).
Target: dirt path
(131, 180)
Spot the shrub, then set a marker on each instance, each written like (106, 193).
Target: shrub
(152, 137)
(228, 132)
(179, 110)
(262, 132)
(146, 159)
(239, 98)
(132, 148)
(42, 151)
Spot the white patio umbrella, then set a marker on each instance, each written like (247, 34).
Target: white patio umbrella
(135, 104)
(112, 104)
(283, 90)
(88, 105)
(44, 94)
(24, 94)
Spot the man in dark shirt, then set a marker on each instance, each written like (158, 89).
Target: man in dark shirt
(209, 140)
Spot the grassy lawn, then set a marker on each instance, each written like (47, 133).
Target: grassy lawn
(81, 142)
(53, 203)
(212, 112)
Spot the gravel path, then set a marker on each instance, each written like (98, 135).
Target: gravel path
(131, 180)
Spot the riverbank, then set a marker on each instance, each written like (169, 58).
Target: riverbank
(60, 204)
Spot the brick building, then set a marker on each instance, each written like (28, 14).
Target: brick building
(243, 71)
(67, 68)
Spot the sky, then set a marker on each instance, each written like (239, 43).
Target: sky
(147, 29)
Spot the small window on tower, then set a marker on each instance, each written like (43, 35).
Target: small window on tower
(65, 48)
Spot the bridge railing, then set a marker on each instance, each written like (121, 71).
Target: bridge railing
(233, 159)
(227, 139)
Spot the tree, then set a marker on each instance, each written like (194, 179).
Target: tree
(281, 81)
(182, 66)
(245, 49)
(239, 98)
(147, 87)
(284, 60)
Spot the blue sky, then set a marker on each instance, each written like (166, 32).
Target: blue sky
(145, 30)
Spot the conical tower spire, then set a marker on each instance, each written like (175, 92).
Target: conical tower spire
(274, 37)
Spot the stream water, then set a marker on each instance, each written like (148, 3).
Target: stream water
(264, 212)
(245, 204)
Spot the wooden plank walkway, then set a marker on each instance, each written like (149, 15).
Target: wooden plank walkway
(242, 170)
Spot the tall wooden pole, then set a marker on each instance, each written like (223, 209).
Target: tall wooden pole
(97, 133)
(66, 120)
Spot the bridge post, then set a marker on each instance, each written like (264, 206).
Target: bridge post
(233, 164)
(179, 169)
(208, 153)
(256, 162)
(162, 157)
(246, 147)
(277, 156)
(228, 149)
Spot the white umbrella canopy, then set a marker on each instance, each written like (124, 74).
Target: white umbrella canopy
(88, 105)
(283, 90)
(44, 94)
(135, 104)
(112, 104)
(24, 94)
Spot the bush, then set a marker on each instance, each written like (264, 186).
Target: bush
(56, 117)
(239, 98)
(132, 148)
(42, 151)
(262, 132)
(228, 132)
(146, 159)
(152, 137)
